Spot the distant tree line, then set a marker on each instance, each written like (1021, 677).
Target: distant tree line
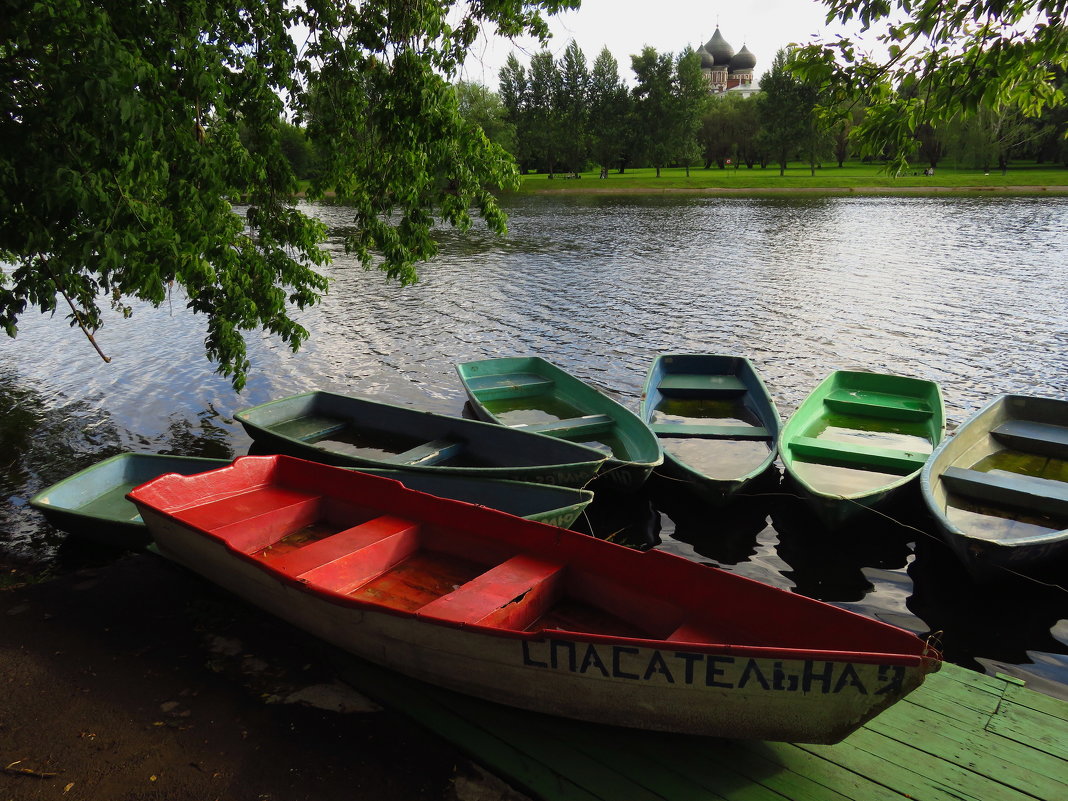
(561, 116)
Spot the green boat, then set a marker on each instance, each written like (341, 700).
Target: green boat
(358, 432)
(92, 503)
(529, 393)
(998, 487)
(715, 420)
(858, 439)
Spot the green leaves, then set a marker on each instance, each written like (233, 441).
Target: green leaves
(945, 60)
(131, 128)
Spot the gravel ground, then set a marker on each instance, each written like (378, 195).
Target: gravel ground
(137, 680)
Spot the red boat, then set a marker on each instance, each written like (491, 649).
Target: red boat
(528, 614)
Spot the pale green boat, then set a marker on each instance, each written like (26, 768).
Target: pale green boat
(92, 504)
(998, 487)
(528, 393)
(858, 439)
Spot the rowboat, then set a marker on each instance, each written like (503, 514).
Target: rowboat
(529, 615)
(858, 439)
(92, 503)
(359, 432)
(998, 488)
(714, 418)
(531, 394)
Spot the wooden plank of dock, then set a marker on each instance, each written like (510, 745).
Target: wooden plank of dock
(962, 736)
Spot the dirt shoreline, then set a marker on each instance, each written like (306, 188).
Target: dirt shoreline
(137, 680)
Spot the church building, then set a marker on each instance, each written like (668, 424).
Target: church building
(726, 70)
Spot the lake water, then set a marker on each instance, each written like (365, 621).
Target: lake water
(972, 293)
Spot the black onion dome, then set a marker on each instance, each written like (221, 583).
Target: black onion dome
(743, 60)
(707, 61)
(719, 49)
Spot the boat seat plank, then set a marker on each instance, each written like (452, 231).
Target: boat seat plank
(511, 595)
(252, 503)
(1043, 439)
(1041, 495)
(674, 384)
(429, 453)
(690, 631)
(308, 428)
(709, 431)
(571, 426)
(262, 530)
(509, 385)
(326, 550)
(878, 404)
(851, 454)
(350, 571)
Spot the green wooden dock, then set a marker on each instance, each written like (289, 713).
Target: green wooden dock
(962, 736)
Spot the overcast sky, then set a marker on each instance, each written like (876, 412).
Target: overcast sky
(626, 26)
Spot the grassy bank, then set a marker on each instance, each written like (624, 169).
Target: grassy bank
(853, 177)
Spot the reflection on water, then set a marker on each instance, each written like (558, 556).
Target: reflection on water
(971, 293)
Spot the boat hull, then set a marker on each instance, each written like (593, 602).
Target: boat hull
(1001, 500)
(715, 419)
(724, 686)
(530, 393)
(859, 440)
(668, 688)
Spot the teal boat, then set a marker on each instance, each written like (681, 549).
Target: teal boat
(92, 503)
(715, 420)
(358, 432)
(529, 393)
(998, 488)
(858, 439)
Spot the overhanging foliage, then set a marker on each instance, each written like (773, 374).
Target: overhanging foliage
(945, 59)
(122, 156)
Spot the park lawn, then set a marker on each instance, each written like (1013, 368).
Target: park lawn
(852, 176)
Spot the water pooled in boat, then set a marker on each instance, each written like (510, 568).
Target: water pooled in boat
(997, 525)
(534, 409)
(1028, 464)
(848, 481)
(877, 433)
